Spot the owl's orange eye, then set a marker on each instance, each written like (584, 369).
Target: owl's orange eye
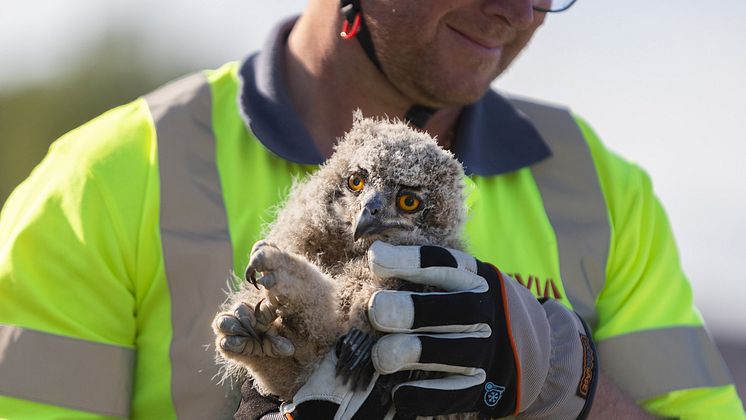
(408, 202)
(355, 182)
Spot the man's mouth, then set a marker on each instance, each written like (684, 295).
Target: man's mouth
(478, 41)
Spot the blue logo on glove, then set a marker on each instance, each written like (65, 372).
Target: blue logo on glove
(492, 394)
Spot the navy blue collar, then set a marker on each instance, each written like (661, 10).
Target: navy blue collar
(491, 138)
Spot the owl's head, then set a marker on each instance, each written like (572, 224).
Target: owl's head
(395, 184)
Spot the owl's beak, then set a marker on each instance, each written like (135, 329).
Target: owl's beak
(368, 221)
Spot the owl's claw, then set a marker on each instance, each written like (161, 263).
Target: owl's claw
(258, 310)
(256, 262)
(251, 276)
(264, 314)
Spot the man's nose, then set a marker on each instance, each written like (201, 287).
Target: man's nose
(519, 14)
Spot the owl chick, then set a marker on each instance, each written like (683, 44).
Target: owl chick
(384, 182)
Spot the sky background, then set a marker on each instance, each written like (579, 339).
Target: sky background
(663, 83)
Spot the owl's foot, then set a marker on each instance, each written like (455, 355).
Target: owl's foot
(247, 331)
(353, 353)
(289, 282)
(299, 298)
(274, 266)
(282, 273)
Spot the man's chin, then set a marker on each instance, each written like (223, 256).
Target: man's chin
(455, 96)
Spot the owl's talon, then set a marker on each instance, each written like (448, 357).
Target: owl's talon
(258, 312)
(264, 313)
(251, 276)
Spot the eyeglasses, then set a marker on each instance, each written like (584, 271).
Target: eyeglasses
(552, 6)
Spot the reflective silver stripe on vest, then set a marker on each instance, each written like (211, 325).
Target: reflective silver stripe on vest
(196, 245)
(575, 205)
(67, 372)
(654, 362)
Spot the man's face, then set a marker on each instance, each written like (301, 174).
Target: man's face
(447, 52)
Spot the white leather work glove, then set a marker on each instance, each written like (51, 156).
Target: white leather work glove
(503, 351)
(326, 396)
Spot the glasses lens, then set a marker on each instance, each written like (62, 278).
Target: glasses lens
(552, 5)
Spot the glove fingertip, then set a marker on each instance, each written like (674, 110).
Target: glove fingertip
(384, 259)
(395, 352)
(390, 311)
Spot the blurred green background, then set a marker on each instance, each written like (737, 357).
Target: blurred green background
(113, 71)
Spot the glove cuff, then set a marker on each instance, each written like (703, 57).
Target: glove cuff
(569, 387)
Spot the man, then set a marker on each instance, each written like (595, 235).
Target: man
(115, 250)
